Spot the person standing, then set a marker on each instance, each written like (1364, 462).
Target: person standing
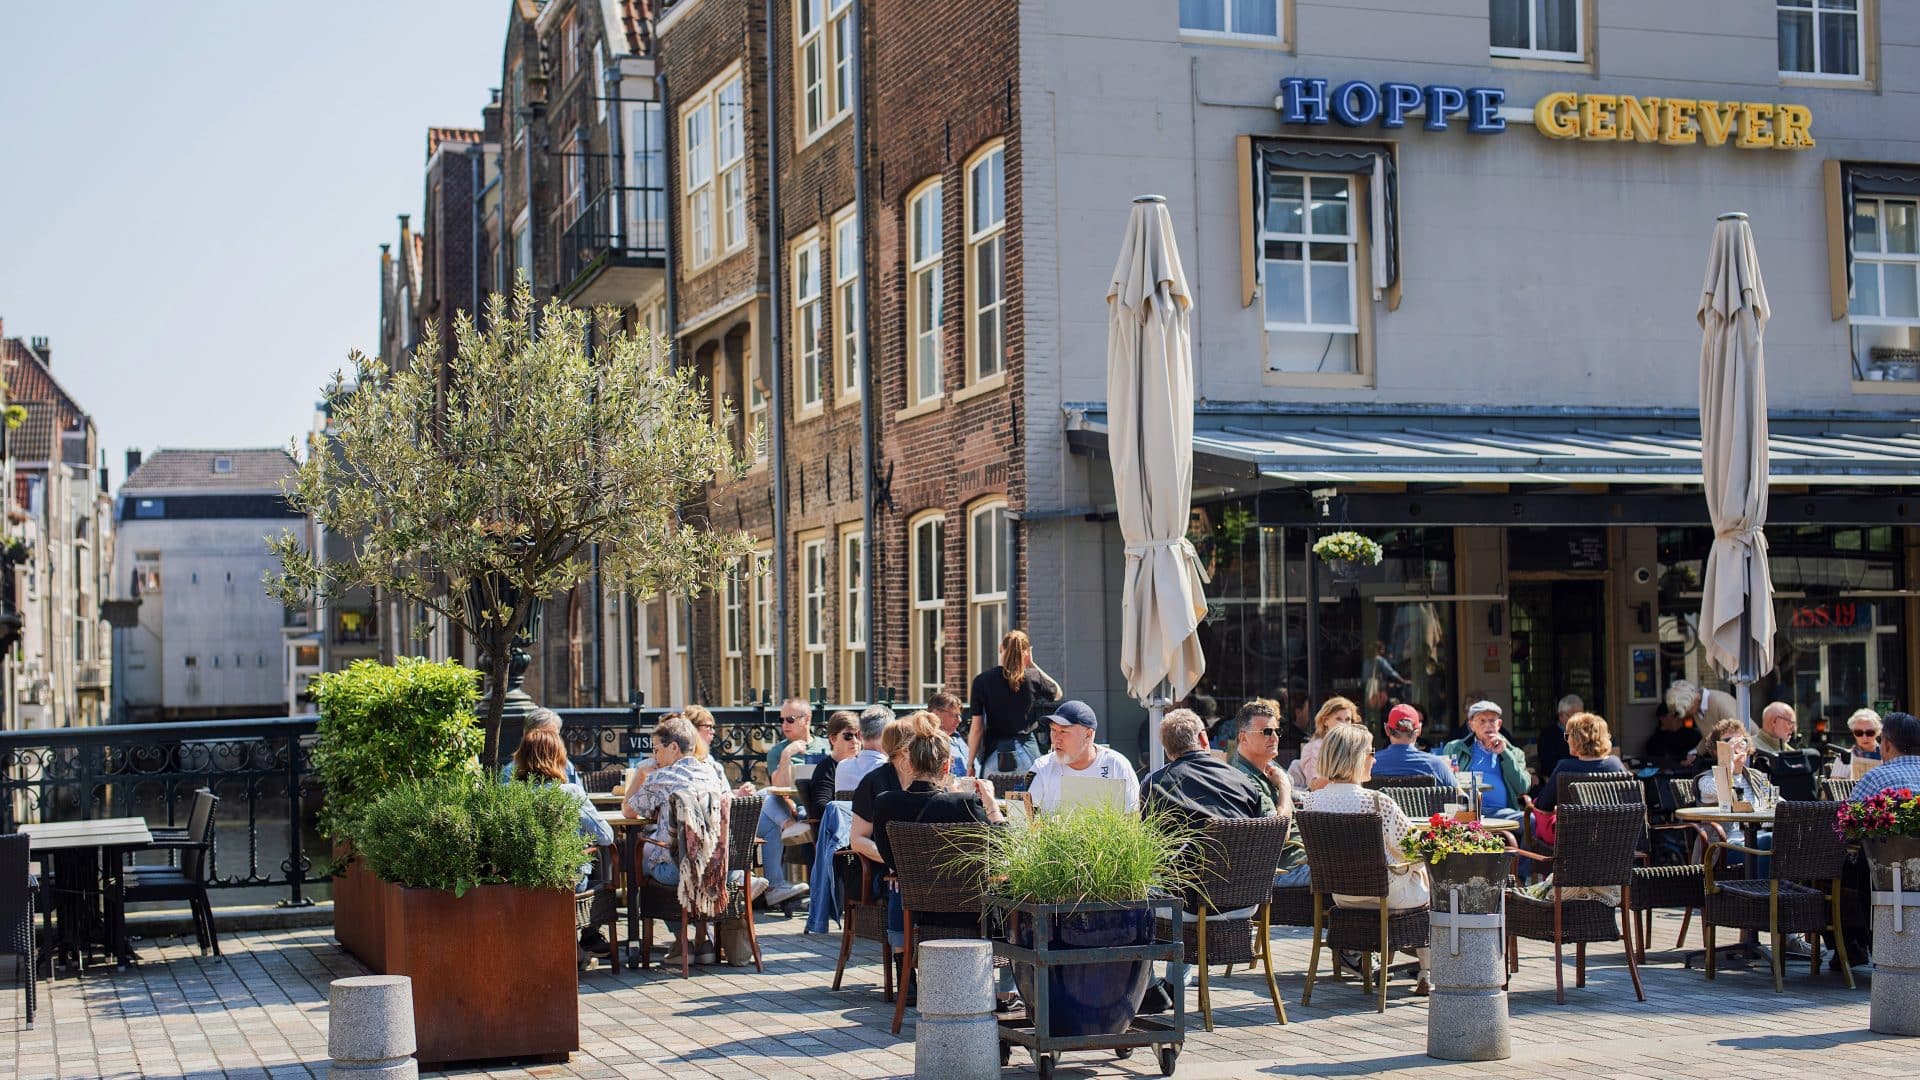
(1003, 699)
(1076, 754)
(1502, 766)
(1702, 709)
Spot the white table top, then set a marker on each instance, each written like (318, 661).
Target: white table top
(618, 819)
(101, 832)
(1714, 813)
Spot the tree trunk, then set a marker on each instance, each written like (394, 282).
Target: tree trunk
(499, 662)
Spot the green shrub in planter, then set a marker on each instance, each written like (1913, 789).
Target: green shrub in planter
(459, 833)
(381, 725)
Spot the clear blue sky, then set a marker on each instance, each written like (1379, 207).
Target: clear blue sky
(193, 195)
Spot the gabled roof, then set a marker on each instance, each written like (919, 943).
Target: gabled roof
(438, 135)
(247, 469)
(50, 409)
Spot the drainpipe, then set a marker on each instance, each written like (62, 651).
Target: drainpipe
(662, 94)
(868, 435)
(777, 405)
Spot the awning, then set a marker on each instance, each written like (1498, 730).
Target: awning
(1314, 445)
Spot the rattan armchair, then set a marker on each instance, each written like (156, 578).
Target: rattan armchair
(1806, 848)
(1348, 857)
(1839, 789)
(17, 935)
(940, 870)
(662, 902)
(1594, 848)
(1228, 916)
(1422, 801)
(602, 781)
(1681, 887)
(1381, 783)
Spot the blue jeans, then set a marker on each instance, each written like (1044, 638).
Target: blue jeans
(664, 872)
(1504, 814)
(773, 817)
(1024, 749)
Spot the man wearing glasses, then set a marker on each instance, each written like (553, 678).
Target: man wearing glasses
(1255, 755)
(777, 821)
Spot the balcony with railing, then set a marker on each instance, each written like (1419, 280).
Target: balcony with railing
(614, 249)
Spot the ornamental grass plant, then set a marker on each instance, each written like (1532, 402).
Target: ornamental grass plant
(460, 833)
(1091, 855)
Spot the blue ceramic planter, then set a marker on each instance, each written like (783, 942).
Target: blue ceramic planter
(1091, 999)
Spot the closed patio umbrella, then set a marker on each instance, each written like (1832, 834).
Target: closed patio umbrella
(1150, 444)
(1736, 602)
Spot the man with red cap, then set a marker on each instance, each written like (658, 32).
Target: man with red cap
(1404, 757)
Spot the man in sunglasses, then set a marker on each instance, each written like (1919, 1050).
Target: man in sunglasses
(778, 823)
(1256, 753)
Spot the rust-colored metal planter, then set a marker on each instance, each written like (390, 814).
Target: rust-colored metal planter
(494, 972)
(359, 915)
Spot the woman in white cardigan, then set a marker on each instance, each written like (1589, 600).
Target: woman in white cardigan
(1346, 762)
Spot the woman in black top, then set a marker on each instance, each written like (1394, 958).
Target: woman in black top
(1002, 700)
(928, 758)
(843, 741)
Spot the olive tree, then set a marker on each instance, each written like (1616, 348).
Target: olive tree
(480, 490)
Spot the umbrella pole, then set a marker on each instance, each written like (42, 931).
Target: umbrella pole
(1313, 623)
(1156, 712)
(1743, 679)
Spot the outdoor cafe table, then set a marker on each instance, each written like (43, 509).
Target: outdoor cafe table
(84, 858)
(1749, 821)
(628, 834)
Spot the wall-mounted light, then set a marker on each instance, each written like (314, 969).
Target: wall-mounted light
(1496, 620)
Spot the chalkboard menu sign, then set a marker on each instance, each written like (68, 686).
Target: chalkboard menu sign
(1557, 549)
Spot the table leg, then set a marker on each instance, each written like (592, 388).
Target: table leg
(630, 858)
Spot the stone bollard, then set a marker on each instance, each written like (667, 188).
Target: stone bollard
(370, 1027)
(957, 1037)
(1895, 1008)
(1467, 1012)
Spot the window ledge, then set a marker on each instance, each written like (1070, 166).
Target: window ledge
(987, 385)
(1343, 380)
(932, 406)
(821, 132)
(1540, 63)
(841, 401)
(1236, 41)
(1805, 81)
(809, 412)
(1866, 386)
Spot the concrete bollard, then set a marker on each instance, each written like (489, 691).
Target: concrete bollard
(1895, 1007)
(957, 1037)
(1467, 1012)
(370, 1027)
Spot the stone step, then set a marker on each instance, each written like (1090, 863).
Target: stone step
(178, 921)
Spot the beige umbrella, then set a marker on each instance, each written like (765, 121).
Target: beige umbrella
(1736, 602)
(1150, 443)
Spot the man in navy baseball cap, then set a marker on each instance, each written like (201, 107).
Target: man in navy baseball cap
(1074, 753)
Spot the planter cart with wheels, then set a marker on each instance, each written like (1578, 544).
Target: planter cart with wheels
(1034, 1030)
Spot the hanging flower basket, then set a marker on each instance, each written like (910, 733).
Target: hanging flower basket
(1346, 553)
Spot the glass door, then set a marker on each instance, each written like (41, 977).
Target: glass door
(1558, 643)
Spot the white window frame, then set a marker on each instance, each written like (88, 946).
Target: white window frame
(523, 243)
(1817, 8)
(713, 169)
(1230, 34)
(980, 234)
(848, 375)
(761, 670)
(991, 595)
(730, 150)
(1872, 261)
(840, 49)
(757, 406)
(925, 531)
(926, 330)
(1306, 240)
(1533, 52)
(853, 614)
(733, 635)
(816, 636)
(696, 172)
(810, 363)
(574, 171)
(822, 65)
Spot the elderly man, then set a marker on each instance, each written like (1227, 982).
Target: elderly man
(1551, 744)
(947, 707)
(778, 822)
(1403, 756)
(1075, 754)
(1899, 755)
(847, 776)
(1195, 784)
(539, 718)
(1795, 771)
(1501, 765)
(1256, 753)
(1704, 708)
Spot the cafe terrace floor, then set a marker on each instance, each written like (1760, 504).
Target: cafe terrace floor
(262, 1012)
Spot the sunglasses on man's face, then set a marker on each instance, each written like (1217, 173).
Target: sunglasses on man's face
(1266, 731)
(847, 735)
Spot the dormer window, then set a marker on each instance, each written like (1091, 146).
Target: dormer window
(222, 465)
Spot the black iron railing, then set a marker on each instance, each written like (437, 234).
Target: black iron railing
(264, 831)
(623, 223)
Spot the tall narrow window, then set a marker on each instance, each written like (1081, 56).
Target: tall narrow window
(986, 583)
(763, 635)
(1535, 29)
(731, 164)
(1821, 38)
(573, 160)
(846, 304)
(840, 20)
(714, 168)
(811, 367)
(853, 615)
(986, 264)
(928, 632)
(926, 294)
(815, 634)
(809, 32)
(733, 636)
(756, 408)
(647, 186)
(1884, 313)
(697, 158)
(1309, 243)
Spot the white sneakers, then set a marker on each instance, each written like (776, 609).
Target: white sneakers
(791, 892)
(796, 832)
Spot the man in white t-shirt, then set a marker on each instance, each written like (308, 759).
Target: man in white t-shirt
(1075, 754)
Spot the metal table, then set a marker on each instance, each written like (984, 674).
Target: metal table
(628, 835)
(83, 860)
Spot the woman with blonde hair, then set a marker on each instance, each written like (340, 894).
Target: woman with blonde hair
(1003, 699)
(1335, 712)
(1589, 751)
(1345, 763)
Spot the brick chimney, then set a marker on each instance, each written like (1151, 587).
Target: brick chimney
(133, 461)
(42, 349)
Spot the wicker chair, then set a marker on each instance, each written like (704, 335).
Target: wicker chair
(600, 907)
(188, 881)
(1347, 857)
(1594, 848)
(1381, 783)
(1806, 848)
(658, 901)
(861, 917)
(1004, 782)
(742, 843)
(1227, 918)
(1422, 801)
(1840, 790)
(940, 871)
(1681, 887)
(16, 913)
(602, 781)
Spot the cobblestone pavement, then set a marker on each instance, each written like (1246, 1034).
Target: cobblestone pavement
(261, 1012)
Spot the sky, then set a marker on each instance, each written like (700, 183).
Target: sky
(193, 195)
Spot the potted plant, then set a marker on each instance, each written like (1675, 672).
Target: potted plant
(380, 726)
(1084, 857)
(1346, 552)
(476, 881)
(1458, 853)
(1887, 825)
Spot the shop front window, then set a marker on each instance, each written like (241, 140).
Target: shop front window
(1839, 640)
(1387, 632)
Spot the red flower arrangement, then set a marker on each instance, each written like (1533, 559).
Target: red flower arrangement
(1895, 812)
(1444, 836)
